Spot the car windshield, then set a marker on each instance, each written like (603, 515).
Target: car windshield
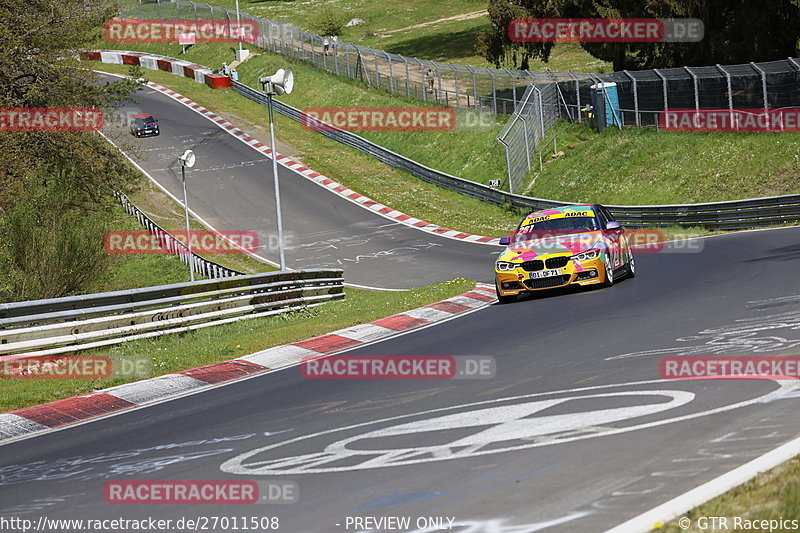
(574, 223)
(142, 121)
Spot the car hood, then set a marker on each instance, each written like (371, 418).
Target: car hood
(572, 243)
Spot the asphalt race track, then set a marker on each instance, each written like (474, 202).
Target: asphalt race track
(575, 432)
(231, 187)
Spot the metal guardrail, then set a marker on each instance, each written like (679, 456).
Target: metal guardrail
(200, 265)
(734, 214)
(77, 323)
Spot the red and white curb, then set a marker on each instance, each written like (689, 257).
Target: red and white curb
(120, 57)
(41, 418)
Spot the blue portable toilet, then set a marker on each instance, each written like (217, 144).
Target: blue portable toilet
(610, 99)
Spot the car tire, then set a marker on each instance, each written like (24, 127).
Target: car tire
(609, 281)
(504, 299)
(630, 268)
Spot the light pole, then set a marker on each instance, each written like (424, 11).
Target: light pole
(281, 82)
(239, 28)
(187, 160)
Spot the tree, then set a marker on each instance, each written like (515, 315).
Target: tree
(53, 183)
(737, 31)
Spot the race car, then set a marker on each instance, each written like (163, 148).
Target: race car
(144, 126)
(570, 245)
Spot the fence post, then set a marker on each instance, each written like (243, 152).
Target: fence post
(730, 94)
(474, 86)
(513, 86)
(664, 82)
(422, 72)
(527, 144)
(408, 78)
(391, 74)
(438, 80)
(508, 165)
(541, 109)
(635, 98)
(494, 91)
(377, 72)
(763, 84)
(696, 89)
(455, 77)
(577, 94)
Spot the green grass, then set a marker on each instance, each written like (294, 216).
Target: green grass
(643, 166)
(172, 353)
(773, 495)
(388, 26)
(131, 271)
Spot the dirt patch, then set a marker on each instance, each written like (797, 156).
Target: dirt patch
(463, 16)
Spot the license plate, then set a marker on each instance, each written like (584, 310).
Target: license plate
(546, 273)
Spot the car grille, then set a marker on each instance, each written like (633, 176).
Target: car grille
(557, 262)
(545, 283)
(553, 262)
(533, 266)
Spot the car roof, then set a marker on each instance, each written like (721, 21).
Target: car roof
(562, 209)
(142, 116)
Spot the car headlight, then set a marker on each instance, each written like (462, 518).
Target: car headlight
(586, 256)
(505, 266)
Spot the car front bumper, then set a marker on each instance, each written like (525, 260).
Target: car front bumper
(517, 281)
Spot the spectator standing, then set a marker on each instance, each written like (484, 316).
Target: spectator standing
(235, 75)
(225, 69)
(326, 44)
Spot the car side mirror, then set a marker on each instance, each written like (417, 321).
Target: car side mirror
(613, 225)
(504, 241)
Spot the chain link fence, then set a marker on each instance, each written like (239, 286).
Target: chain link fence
(534, 99)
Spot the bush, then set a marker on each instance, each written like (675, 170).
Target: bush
(329, 21)
(50, 247)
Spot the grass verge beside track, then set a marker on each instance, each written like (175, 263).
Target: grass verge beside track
(773, 495)
(172, 353)
(350, 167)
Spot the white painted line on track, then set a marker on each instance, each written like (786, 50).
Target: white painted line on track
(675, 507)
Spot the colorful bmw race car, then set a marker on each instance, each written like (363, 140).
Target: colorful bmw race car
(144, 126)
(576, 244)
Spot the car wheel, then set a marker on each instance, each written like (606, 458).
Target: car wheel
(630, 268)
(504, 299)
(609, 281)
